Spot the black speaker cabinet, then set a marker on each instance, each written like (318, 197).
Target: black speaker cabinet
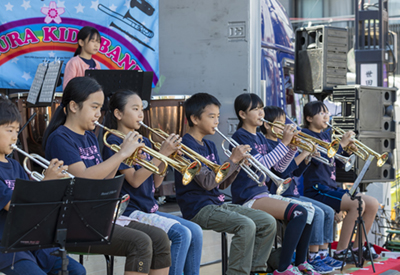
(320, 59)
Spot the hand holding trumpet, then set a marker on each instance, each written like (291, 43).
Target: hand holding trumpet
(55, 170)
(130, 144)
(171, 145)
(239, 153)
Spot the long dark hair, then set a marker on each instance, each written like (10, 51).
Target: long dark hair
(117, 101)
(8, 111)
(311, 109)
(77, 90)
(84, 33)
(271, 113)
(244, 102)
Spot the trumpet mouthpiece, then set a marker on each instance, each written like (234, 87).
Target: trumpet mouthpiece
(144, 125)
(98, 124)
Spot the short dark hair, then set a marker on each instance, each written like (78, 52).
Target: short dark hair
(311, 109)
(8, 111)
(196, 103)
(271, 113)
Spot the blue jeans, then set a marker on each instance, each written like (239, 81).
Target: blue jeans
(187, 243)
(26, 267)
(322, 227)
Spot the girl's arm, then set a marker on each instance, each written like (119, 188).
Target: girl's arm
(136, 177)
(108, 168)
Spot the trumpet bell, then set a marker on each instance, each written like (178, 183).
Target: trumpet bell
(283, 186)
(381, 160)
(189, 173)
(349, 164)
(222, 172)
(333, 148)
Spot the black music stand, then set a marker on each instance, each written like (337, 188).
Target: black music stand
(61, 213)
(359, 224)
(114, 80)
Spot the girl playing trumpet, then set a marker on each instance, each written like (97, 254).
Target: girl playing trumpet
(125, 114)
(70, 138)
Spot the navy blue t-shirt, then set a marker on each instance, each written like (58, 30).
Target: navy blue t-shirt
(71, 147)
(318, 172)
(90, 62)
(9, 172)
(293, 170)
(142, 198)
(192, 198)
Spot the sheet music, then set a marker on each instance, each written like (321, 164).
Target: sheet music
(37, 83)
(50, 82)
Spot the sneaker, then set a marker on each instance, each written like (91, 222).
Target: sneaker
(319, 266)
(341, 255)
(306, 268)
(291, 270)
(366, 253)
(335, 264)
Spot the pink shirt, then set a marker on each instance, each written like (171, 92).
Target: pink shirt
(76, 67)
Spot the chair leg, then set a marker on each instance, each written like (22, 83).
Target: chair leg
(224, 252)
(81, 259)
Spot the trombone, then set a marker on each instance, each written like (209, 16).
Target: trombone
(283, 184)
(221, 171)
(40, 161)
(365, 150)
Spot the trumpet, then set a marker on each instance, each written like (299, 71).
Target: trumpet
(253, 175)
(135, 158)
(365, 150)
(347, 161)
(283, 184)
(221, 171)
(303, 143)
(44, 163)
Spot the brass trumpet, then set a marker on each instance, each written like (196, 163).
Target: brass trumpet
(40, 161)
(135, 158)
(304, 143)
(221, 171)
(283, 184)
(365, 150)
(331, 148)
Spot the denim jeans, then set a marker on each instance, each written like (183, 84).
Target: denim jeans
(186, 246)
(322, 227)
(26, 267)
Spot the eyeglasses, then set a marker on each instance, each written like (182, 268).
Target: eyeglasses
(324, 114)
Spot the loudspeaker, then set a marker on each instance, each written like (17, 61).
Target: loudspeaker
(320, 59)
(369, 112)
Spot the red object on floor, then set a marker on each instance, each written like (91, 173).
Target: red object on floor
(392, 264)
(377, 248)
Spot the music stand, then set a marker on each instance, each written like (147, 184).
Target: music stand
(359, 223)
(63, 213)
(114, 80)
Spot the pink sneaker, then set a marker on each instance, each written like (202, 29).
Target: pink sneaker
(306, 268)
(291, 270)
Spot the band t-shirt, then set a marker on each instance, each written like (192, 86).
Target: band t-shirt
(9, 172)
(244, 188)
(70, 147)
(192, 197)
(318, 172)
(141, 198)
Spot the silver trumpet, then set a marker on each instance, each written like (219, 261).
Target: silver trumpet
(283, 184)
(347, 161)
(40, 161)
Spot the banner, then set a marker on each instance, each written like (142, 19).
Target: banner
(34, 31)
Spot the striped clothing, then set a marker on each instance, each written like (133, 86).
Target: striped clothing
(244, 188)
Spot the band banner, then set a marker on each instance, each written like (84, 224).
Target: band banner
(32, 31)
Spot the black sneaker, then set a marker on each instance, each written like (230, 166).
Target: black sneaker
(366, 253)
(341, 255)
